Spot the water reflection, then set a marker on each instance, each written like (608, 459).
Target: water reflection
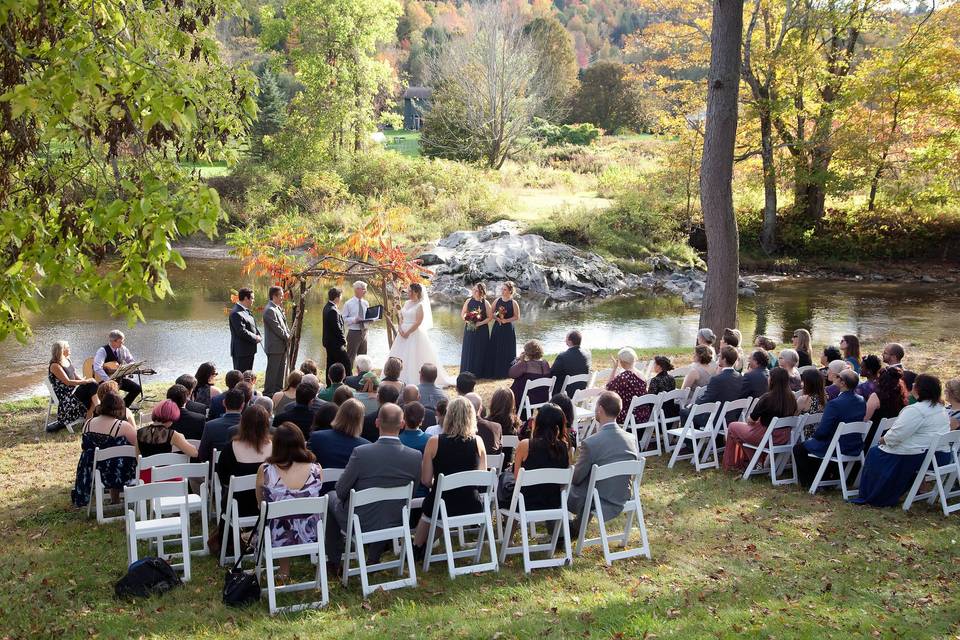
(191, 327)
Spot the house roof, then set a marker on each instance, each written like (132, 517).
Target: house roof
(419, 93)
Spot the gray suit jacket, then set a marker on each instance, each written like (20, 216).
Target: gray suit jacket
(276, 335)
(385, 463)
(609, 444)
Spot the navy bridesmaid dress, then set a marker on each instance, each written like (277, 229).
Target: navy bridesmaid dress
(503, 341)
(476, 343)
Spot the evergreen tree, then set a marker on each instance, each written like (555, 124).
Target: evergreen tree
(271, 112)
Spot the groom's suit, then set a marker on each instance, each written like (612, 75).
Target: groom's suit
(334, 340)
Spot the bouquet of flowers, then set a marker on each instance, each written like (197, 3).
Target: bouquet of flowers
(472, 318)
(499, 313)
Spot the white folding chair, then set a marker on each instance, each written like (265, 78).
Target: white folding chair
(53, 402)
(587, 378)
(771, 450)
(293, 508)
(486, 484)
(643, 431)
(647, 370)
(196, 502)
(584, 407)
(720, 425)
(526, 408)
(233, 522)
(679, 399)
(98, 492)
(356, 538)
(509, 442)
(632, 471)
(843, 461)
(602, 377)
(810, 420)
(142, 527)
(217, 494)
(495, 461)
(517, 512)
(194, 442)
(882, 428)
(697, 394)
(943, 476)
(160, 460)
(696, 436)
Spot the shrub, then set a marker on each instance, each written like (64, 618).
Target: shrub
(575, 134)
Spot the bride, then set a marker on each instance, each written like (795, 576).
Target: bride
(412, 344)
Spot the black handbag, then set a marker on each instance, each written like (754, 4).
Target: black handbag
(241, 588)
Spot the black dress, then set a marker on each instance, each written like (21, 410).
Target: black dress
(804, 359)
(539, 456)
(661, 383)
(503, 341)
(476, 342)
(453, 456)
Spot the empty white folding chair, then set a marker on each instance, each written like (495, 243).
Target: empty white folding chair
(632, 472)
(293, 508)
(844, 462)
(233, 522)
(509, 442)
(648, 429)
(584, 409)
(942, 476)
(767, 448)
(697, 394)
(602, 377)
(53, 402)
(739, 409)
(526, 408)
(647, 370)
(699, 437)
(98, 492)
(194, 442)
(196, 502)
(486, 483)
(144, 524)
(585, 378)
(495, 461)
(399, 535)
(518, 513)
(678, 399)
(160, 460)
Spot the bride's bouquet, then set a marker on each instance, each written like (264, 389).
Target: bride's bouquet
(472, 318)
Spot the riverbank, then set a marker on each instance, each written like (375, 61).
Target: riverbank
(729, 557)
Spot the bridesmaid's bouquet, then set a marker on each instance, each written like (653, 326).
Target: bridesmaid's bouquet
(472, 318)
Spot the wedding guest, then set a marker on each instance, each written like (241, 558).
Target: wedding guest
(893, 355)
(247, 448)
(891, 468)
(111, 386)
(503, 411)
(778, 402)
(437, 429)
(413, 435)
(76, 396)
(385, 395)
(324, 417)
(850, 347)
(887, 400)
(813, 397)
(870, 368)
(846, 407)
(333, 447)
(232, 379)
(801, 344)
(733, 338)
(547, 448)
(951, 392)
(466, 383)
(503, 336)
(411, 393)
(392, 369)
(337, 373)
(160, 437)
(342, 394)
(363, 364)
(626, 383)
(663, 382)
(457, 449)
(768, 346)
(189, 424)
(830, 353)
(109, 429)
(289, 394)
(563, 401)
(701, 371)
(309, 367)
(530, 365)
(290, 472)
(788, 360)
(430, 393)
(206, 376)
(489, 431)
(477, 315)
(834, 369)
(723, 387)
(250, 377)
(706, 337)
(265, 402)
(755, 382)
(217, 432)
(190, 383)
(572, 362)
(300, 412)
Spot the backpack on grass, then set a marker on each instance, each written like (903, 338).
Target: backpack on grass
(147, 577)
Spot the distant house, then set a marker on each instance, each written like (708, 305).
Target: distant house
(416, 102)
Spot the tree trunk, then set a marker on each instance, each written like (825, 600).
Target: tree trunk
(299, 296)
(716, 169)
(768, 234)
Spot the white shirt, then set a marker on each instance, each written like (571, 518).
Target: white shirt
(435, 430)
(354, 311)
(123, 357)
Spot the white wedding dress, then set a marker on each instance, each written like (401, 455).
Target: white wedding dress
(417, 349)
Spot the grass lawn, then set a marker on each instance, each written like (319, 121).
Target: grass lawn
(730, 558)
(404, 142)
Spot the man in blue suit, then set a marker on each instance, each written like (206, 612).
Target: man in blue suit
(723, 387)
(846, 407)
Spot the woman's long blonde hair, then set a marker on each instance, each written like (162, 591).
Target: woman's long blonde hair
(460, 420)
(56, 352)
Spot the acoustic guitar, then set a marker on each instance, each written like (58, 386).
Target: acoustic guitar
(109, 368)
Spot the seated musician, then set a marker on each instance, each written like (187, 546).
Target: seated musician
(109, 358)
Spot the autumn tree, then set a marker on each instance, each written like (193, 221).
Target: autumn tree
(611, 97)
(558, 64)
(99, 103)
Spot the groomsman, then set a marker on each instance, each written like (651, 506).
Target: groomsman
(276, 342)
(354, 315)
(334, 340)
(244, 335)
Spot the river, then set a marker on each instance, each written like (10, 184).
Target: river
(191, 327)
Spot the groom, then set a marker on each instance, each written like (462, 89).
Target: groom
(334, 340)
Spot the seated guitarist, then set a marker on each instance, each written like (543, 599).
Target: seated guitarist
(108, 359)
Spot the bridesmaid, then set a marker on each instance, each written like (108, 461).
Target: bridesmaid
(503, 338)
(476, 333)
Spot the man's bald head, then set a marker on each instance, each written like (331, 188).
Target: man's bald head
(390, 419)
(410, 394)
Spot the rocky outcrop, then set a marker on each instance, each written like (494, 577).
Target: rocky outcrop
(688, 283)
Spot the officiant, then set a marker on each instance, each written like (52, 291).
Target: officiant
(354, 317)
